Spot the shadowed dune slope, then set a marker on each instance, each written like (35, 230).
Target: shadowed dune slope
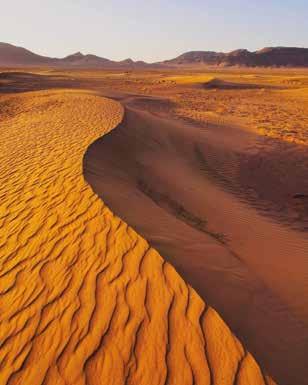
(158, 175)
(83, 298)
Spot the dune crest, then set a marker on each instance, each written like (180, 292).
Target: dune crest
(83, 298)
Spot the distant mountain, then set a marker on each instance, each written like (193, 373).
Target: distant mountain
(266, 57)
(196, 57)
(80, 60)
(12, 56)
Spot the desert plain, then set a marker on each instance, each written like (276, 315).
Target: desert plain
(153, 226)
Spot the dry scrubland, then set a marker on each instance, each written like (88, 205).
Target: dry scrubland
(278, 113)
(274, 105)
(83, 298)
(273, 102)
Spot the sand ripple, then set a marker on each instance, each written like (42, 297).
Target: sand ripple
(83, 298)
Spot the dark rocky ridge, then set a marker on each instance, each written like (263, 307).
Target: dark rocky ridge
(266, 57)
(13, 56)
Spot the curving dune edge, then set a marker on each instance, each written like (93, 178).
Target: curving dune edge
(83, 298)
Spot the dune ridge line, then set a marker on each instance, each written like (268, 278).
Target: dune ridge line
(83, 298)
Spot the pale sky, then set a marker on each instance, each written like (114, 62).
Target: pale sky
(151, 30)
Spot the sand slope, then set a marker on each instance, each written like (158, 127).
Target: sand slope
(83, 298)
(227, 243)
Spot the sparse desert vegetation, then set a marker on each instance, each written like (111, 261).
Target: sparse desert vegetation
(153, 192)
(84, 298)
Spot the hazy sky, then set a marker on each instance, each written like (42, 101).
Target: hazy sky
(151, 30)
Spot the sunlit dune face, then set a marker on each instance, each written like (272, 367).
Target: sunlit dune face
(84, 299)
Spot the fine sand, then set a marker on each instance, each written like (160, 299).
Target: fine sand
(221, 204)
(83, 298)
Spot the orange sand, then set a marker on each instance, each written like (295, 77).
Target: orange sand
(83, 298)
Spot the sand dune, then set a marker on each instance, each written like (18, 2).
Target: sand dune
(210, 82)
(231, 246)
(83, 298)
(225, 85)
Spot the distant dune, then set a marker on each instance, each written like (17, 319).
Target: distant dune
(12, 56)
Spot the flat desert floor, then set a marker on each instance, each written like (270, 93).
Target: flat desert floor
(211, 170)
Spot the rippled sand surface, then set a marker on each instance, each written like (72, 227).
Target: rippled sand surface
(83, 298)
(230, 246)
